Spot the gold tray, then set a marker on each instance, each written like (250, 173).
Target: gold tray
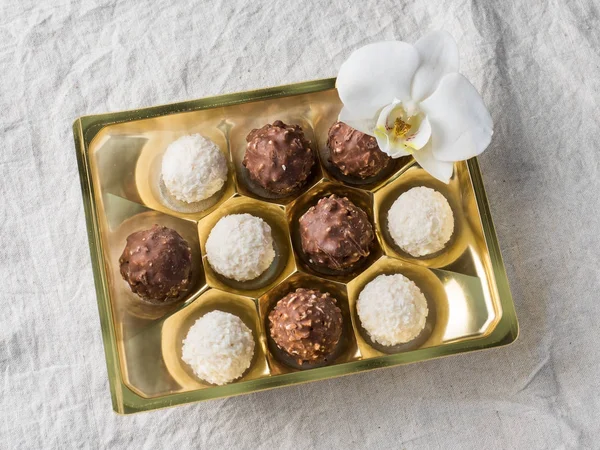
(119, 154)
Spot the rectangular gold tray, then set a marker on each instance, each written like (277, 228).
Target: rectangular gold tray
(117, 155)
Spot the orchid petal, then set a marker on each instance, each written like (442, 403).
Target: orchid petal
(461, 124)
(441, 170)
(385, 113)
(439, 56)
(421, 137)
(393, 150)
(375, 74)
(465, 147)
(358, 123)
(383, 142)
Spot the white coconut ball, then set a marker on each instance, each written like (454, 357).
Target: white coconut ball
(240, 247)
(193, 168)
(392, 309)
(218, 347)
(421, 221)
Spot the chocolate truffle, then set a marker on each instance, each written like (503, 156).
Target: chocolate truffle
(307, 325)
(354, 153)
(157, 264)
(278, 157)
(335, 233)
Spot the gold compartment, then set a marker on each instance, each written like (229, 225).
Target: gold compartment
(176, 327)
(362, 199)
(136, 218)
(119, 160)
(432, 288)
(283, 264)
(129, 154)
(347, 349)
(412, 177)
(243, 118)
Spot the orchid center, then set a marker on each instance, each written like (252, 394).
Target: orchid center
(403, 126)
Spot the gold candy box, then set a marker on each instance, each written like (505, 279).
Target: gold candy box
(119, 154)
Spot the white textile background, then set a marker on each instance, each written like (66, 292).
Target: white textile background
(537, 65)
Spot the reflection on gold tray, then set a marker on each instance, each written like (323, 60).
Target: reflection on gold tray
(119, 162)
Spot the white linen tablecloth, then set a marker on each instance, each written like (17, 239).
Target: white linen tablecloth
(537, 65)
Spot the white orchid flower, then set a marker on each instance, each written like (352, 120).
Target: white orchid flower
(414, 101)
